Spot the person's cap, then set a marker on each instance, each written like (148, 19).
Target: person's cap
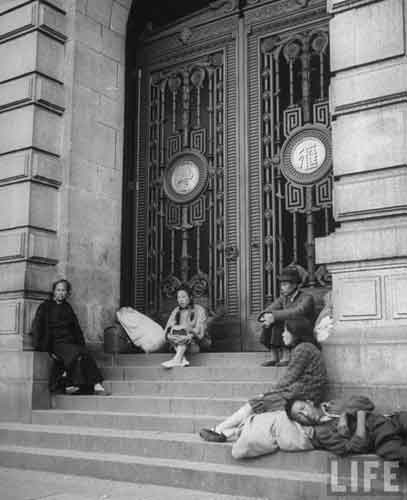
(290, 274)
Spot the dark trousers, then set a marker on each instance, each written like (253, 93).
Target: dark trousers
(389, 436)
(272, 336)
(82, 371)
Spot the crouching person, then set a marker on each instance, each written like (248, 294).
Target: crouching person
(292, 304)
(56, 330)
(186, 329)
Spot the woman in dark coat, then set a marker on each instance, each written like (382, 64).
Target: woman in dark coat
(56, 330)
(306, 375)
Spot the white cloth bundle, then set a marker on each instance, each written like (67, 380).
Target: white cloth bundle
(324, 328)
(268, 432)
(142, 330)
(324, 324)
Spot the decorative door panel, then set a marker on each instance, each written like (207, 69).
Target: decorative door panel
(289, 150)
(187, 167)
(186, 183)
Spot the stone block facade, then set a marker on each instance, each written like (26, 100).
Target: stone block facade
(366, 254)
(61, 121)
(61, 117)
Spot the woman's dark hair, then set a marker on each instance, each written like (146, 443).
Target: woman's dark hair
(67, 284)
(302, 331)
(288, 407)
(187, 290)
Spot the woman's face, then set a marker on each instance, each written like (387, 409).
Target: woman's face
(288, 338)
(60, 292)
(183, 298)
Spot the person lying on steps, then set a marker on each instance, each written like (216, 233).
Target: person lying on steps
(305, 375)
(352, 426)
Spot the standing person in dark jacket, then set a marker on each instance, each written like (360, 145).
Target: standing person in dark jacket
(56, 330)
(292, 304)
(351, 426)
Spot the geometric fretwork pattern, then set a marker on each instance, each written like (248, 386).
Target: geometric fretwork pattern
(292, 119)
(197, 211)
(186, 239)
(321, 113)
(174, 146)
(294, 82)
(323, 192)
(198, 140)
(294, 197)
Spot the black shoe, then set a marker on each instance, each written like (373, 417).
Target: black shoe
(213, 436)
(269, 363)
(282, 363)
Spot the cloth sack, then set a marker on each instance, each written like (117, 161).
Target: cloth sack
(268, 432)
(324, 328)
(142, 330)
(324, 324)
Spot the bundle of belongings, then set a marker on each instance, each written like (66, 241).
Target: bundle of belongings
(142, 330)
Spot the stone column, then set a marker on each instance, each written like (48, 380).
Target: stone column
(32, 39)
(367, 254)
(61, 140)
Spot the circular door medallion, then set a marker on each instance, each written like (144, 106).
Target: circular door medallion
(306, 155)
(186, 176)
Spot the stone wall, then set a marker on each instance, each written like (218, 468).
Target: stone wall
(92, 188)
(61, 122)
(367, 253)
(61, 142)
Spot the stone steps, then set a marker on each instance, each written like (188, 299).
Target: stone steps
(151, 404)
(207, 360)
(199, 373)
(125, 420)
(195, 388)
(218, 478)
(182, 446)
(17, 484)
(146, 431)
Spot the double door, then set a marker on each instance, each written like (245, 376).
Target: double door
(219, 97)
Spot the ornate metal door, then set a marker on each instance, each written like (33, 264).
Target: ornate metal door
(232, 162)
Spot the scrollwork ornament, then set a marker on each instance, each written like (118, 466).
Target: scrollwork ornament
(197, 77)
(185, 35)
(231, 253)
(174, 83)
(199, 284)
(304, 274)
(302, 3)
(323, 276)
(170, 286)
(228, 5)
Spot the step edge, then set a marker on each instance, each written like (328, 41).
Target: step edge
(316, 477)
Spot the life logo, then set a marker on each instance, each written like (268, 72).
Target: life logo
(365, 475)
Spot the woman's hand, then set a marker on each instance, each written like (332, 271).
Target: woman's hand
(197, 333)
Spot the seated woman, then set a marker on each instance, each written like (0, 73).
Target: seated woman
(186, 328)
(306, 374)
(56, 330)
